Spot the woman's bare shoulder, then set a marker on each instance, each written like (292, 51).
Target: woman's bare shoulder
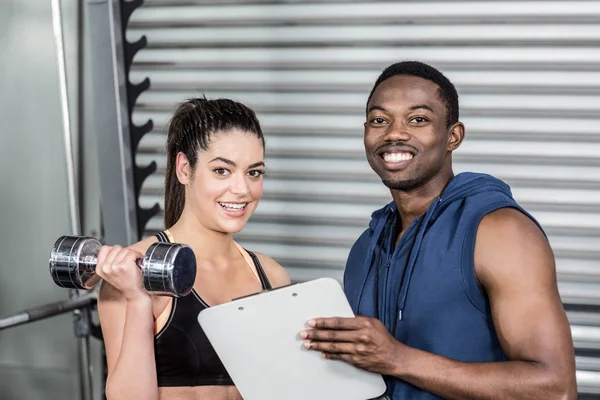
(276, 273)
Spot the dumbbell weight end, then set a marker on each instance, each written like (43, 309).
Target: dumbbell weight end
(73, 262)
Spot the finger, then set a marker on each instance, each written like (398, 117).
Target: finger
(110, 258)
(136, 253)
(332, 335)
(102, 253)
(133, 257)
(121, 259)
(338, 323)
(331, 347)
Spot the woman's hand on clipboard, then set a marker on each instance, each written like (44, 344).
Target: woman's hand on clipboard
(361, 341)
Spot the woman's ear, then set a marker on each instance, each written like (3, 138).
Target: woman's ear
(183, 169)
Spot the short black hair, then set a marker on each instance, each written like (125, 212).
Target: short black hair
(447, 91)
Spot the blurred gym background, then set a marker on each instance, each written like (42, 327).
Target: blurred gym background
(528, 73)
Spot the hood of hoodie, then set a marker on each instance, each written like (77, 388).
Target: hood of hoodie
(461, 186)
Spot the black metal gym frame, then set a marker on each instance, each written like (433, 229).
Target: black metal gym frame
(117, 137)
(114, 96)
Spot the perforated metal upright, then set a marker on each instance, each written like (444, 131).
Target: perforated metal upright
(116, 136)
(113, 97)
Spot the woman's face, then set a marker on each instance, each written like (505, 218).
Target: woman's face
(224, 189)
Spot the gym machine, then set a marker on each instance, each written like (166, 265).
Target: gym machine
(167, 268)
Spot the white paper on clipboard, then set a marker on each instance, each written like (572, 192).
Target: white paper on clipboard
(256, 338)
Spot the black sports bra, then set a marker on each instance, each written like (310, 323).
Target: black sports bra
(183, 353)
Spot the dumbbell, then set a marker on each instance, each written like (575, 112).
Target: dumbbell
(168, 269)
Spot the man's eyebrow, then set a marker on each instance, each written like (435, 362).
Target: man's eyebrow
(375, 107)
(413, 108)
(419, 106)
(225, 160)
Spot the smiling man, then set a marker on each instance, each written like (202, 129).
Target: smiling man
(453, 283)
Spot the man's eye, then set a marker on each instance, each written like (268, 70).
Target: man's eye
(419, 119)
(378, 120)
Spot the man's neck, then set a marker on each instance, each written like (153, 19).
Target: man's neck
(415, 202)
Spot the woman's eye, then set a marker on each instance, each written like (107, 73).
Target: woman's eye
(221, 171)
(256, 173)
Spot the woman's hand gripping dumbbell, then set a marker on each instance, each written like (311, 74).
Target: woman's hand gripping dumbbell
(167, 269)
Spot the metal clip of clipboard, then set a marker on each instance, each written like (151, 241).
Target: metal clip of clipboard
(265, 291)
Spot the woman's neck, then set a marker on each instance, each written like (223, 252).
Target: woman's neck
(206, 243)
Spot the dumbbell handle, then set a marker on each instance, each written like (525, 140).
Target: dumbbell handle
(92, 262)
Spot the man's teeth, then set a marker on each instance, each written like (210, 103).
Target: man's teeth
(233, 206)
(397, 157)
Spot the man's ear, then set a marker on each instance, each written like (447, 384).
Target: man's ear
(456, 134)
(183, 169)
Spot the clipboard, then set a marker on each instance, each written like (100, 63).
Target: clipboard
(256, 338)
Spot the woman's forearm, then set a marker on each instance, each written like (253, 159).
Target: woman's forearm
(134, 375)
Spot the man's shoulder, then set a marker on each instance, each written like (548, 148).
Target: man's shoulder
(484, 194)
(508, 231)
(509, 220)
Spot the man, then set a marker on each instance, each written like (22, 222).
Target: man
(453, 283)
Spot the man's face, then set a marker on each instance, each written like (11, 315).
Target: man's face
(407, 142)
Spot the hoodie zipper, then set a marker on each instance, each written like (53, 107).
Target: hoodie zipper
(377, 261)
(400, 302)
(386, 271)
(370, 262)
(387, 266)
(394, 254)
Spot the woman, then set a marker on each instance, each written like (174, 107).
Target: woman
(155, 348)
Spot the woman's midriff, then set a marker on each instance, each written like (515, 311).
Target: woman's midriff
(199, 393)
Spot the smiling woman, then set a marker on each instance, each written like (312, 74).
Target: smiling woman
(214, 181)
(223, 182)
(237, 207)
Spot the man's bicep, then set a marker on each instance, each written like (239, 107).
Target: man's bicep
(515, 265)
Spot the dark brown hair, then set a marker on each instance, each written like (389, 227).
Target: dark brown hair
(190, 130)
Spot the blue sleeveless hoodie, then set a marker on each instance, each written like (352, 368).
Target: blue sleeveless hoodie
(425, 291)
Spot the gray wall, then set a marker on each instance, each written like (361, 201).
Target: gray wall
(38, 360)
